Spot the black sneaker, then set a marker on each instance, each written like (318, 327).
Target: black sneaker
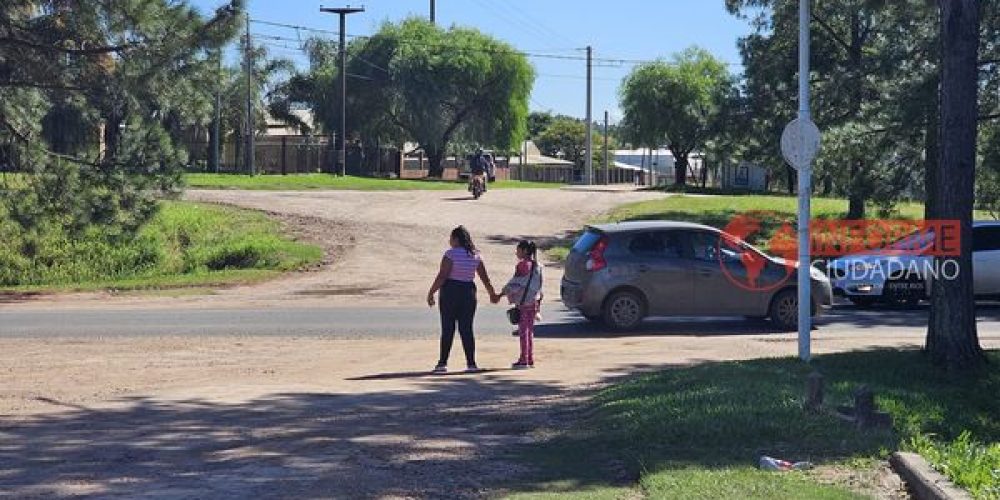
(440, 369)
(472, 369)
(520, 365)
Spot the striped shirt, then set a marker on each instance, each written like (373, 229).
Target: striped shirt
(463, 265)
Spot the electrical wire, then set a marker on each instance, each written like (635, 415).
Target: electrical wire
(598, 62)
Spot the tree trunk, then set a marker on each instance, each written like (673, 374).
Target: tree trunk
(435, 161)
(213, 158)
(112, 139)
(791, 177)
(680, 169)
(856, 198)
(952, 340)
(704, 174)
(827, 185)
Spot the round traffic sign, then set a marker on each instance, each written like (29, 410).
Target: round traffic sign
(800, 143)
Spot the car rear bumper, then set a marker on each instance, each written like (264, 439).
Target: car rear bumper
(575, 296)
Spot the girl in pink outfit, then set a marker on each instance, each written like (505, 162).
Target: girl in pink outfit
(524, 290)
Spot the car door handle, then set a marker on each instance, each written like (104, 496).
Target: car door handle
(643, 268)
(705, 273)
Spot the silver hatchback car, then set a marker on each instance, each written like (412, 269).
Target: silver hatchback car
(622, 273)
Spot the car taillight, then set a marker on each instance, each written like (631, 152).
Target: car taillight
(596, 261)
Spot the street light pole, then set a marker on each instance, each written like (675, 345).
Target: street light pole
(433, 13)
(805, 190)
(343, 12)
(799, 145)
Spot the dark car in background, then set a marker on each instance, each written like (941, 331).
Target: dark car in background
(622, 273)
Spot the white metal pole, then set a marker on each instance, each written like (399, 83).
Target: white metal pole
(805, 189)
(589, 161)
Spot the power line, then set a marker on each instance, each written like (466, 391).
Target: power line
(600, 62)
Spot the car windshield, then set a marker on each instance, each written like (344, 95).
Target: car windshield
(586, 241)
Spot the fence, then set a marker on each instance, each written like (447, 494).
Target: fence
(272, 155)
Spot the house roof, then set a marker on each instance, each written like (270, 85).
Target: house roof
(535, 157)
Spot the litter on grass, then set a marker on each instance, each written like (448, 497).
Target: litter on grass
(775, 464)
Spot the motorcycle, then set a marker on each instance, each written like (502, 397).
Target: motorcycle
(477, 187)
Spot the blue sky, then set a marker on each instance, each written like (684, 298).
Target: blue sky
(622, 29)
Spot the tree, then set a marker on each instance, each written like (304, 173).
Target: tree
(564, 135)
(952, 339)
(874, 73)
(988, 171)
(538, 121)
(269, 75)
(430, 85)
(678, 104)
(119, 77)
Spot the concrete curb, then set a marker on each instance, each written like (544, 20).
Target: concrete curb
(924, 482)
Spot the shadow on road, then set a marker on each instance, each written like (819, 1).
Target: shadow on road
(423, 374)
(442, 441)
(694, 327)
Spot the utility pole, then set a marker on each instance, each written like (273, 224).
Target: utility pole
(248, 62)
(433, 11)
(607, 164)
(214, 159)
(342, 136)
(590, 118)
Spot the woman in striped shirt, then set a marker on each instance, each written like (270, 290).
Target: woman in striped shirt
(456, 281)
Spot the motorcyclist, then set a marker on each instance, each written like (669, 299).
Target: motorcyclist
(478, 169)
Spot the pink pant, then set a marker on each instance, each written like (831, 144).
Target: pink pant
(526, 330)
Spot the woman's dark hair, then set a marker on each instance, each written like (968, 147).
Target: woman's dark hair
(464, 239)
(529, 247)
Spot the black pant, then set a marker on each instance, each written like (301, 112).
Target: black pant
(458, 306)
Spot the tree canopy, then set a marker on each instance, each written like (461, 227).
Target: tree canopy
(94, 98)
(415, 81)
(678, 103)
(875, 79)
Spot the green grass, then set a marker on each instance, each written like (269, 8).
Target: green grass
(718, 211)
(298, 182)
(697, 432)
(185, 245)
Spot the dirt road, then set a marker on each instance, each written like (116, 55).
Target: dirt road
(252, 416)
(383, 248)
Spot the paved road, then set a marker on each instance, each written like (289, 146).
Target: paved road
(338, 322)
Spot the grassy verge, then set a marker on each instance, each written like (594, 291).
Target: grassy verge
(299, 182)
(718, 211)
(185, 245)
(697, 432)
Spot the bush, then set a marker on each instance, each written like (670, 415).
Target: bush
(183, 239)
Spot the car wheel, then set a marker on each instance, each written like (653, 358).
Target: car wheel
(784, 311)
(624, 310)
(904, 293)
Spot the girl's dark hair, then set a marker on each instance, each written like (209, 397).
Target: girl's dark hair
(529, 247)
(464, 239)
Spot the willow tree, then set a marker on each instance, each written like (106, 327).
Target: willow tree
(678, 103)
(431, 85)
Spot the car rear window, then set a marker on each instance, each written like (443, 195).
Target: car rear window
(586, 241)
